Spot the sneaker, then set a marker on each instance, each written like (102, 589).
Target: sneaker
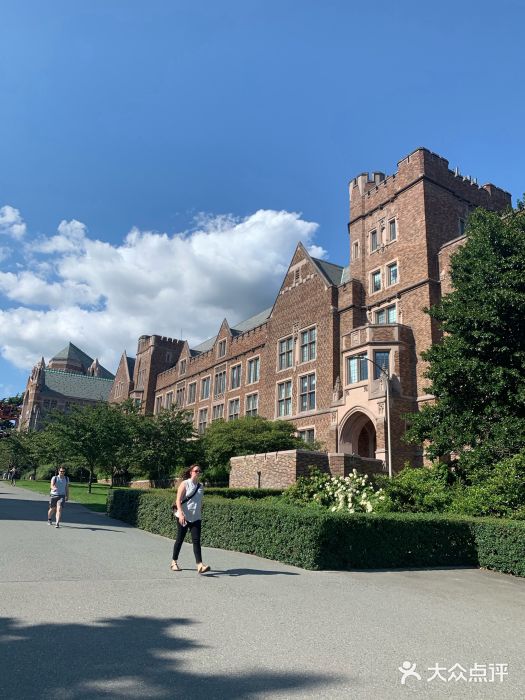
(49, 521)
(57, 525)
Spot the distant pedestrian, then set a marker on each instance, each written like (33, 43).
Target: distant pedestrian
(12, 476)
(188, 506)
(58, 496)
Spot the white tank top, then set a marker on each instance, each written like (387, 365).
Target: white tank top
(192, 509)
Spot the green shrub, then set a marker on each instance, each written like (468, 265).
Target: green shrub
(500, 493)
(304, 490)
(417, 490)
(319, 539)
(252, 494)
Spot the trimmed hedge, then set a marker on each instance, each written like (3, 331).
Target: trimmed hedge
(317, 539)
(254, 494)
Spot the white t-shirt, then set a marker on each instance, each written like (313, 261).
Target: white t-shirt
(192, 509)
(59, 485)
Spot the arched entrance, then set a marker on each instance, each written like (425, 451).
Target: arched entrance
(358, 436)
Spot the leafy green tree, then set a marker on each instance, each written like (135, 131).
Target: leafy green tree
(477, 373)
(96, 436)
(249, 435)
(161, 443)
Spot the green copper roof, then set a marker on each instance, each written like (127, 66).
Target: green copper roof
(77, 386)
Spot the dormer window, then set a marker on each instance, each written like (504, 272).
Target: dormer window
(182, 367)
(221, 349)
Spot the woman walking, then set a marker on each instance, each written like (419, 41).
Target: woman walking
(189, 505)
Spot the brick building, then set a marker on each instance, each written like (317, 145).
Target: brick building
(71, 378)
(319, 356)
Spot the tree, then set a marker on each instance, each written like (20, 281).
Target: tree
(161, 442)
(96, 436)
(477, 373)
(249, 435)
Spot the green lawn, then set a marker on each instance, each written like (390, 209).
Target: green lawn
(96, 500)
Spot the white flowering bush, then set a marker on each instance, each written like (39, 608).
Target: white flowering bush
(352, 493)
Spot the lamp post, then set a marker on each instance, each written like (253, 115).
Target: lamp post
(386, 375)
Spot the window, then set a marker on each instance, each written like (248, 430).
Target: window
(297, 276)
(169, 399)
(179, 397)
(381, 359)
(391, 274)
(252, 404)
(168, 357)
(375, 279)
(234, 408)
(253, 370)
(373, 240)
(461, 227)
(306, 434)
(46, 403)
(67, 406)
(205, 388)
(158, 404)
(53, 404)
(392, 230)
(235, 377)
(219, 386)
(192, 392)
(221, 351)
(218, 411)
(203, 420)
(182, 368)
(307, 392)
(355, 250)
(356, 368)
(286, 353)
(388, 314)
(308, 344)
(284, 399)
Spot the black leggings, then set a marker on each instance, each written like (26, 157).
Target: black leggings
(195, 529)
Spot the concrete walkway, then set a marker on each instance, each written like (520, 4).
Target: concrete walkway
(91, 610)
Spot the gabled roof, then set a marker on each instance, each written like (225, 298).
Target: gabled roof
(76, 386)
(131, 366)
(241, 327)
(333, 272)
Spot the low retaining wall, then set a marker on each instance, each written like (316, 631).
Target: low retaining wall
(277, 470)
(145, 483)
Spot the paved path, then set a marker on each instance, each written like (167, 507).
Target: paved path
(91, 610)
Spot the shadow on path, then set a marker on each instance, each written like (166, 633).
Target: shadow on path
(16, 509)
(128, 657)
(250, 572)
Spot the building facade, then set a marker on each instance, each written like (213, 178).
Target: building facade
(336, 336)
(71, 378)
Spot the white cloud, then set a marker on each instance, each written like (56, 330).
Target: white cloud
(11, 223)
(102, 297)
(70, 238)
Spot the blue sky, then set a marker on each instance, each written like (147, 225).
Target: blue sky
(160, 161)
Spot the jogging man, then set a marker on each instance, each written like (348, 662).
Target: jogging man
(59, 495)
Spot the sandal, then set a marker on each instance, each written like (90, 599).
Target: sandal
(174, 566)
(202, 568)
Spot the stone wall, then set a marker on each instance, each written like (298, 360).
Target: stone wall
(278, 470)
